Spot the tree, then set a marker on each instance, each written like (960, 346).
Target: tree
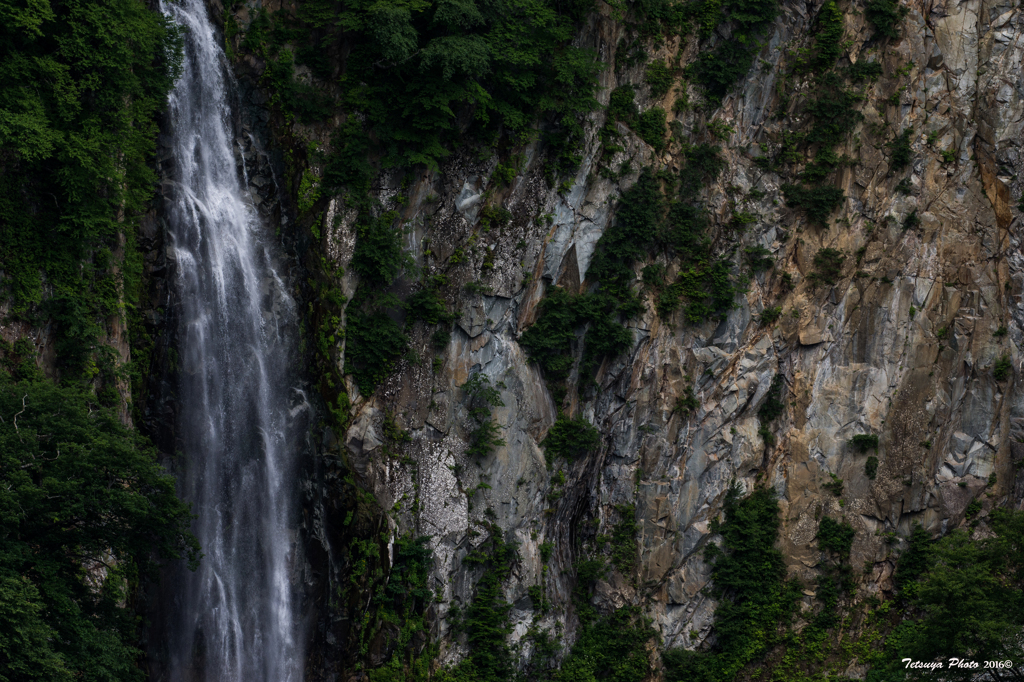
(85, 514)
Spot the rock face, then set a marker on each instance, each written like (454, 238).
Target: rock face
(903, 345)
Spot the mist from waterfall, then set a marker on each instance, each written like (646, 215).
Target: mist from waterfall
(242, 415)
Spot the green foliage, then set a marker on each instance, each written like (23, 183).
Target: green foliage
(1002, 368)
(494, 216)
(610, 648)
(482, 398)
(660, 78)
(86, 512)
(720, 130)
(506, 172)
(374, 340)
(651, 127)
(828, 41)
(966, 596)
(864, 70)
(901, 152)
(378, 257)
(886, 16)
(835, 536)
(770, 315)
(427, 305)
(708, 14)
(773, 406)
(80, 86)
(834, 486)
(828, 264)
(419, 71)
(549, 341)
(653, 275)
(916, 559)
(819, 202)
(759, 258)
(570, 438)
(404, 601)
(863, 442)
(486, 626)
(871, 467)
(749, 579)
(719, 68)
(637, 221)
(621, 104)
(687, 402)
(624, 535)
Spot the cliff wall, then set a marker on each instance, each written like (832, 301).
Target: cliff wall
(898, 315)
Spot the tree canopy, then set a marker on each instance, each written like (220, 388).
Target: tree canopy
(85, 514)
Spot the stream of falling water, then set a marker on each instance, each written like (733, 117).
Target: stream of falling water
(240, 419)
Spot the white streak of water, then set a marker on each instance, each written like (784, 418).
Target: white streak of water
(235, 619)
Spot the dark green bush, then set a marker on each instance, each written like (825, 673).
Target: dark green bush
(686, 403)
(901, 152)
(834, 486)
(624, 536)
(886, 16)
(864, 70)
(770, 315)
(486, 626)
(773, 406)
(549, 341)
(482, 398)
(748, 578)
(610, 648)
(819, 202)
(1002, 368)
(828, 266)
(374, 340)
(759, 258)
(833, 112)
(719, 69)
(828, 40)
(871, 467)
(621, 104)
(835, 536)
(660, 78)
(427, 305)
(570, 438)
(651, 127)
(374, 343)
(864, 442)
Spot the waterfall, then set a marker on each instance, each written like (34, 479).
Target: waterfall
(241, 421)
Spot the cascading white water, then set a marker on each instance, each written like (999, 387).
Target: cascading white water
(240, 432)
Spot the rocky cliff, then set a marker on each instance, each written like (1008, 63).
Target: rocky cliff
(892, 314)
